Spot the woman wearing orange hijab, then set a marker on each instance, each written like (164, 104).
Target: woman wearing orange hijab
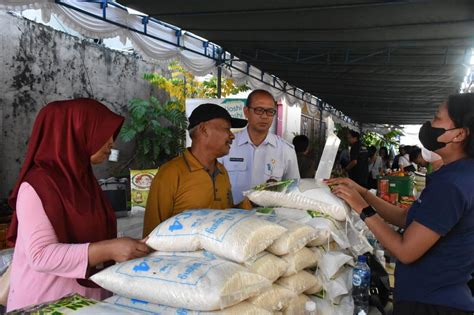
(63, 228)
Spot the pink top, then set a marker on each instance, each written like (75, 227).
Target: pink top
(44, 270)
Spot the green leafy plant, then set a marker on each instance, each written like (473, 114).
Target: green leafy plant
(158, 130)
(389, 139)
(341, 133)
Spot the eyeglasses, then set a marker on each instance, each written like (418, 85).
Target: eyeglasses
(259, 111)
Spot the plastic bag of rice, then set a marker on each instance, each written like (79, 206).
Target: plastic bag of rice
(318, 251)
(302, 259)
(315, 289)
(274, 299)
(204, 284)
(139, 306)
(307, 194)
(326, 307)
(296, 305)
(297, 215)
(328, 229)
(331, 262)
(359, 244)
(234, 234)
(295, 238)
(298, 283)
(325, 227)
(339, 286)
(267, 265)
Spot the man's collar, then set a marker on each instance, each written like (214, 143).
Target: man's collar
(220, 169)
(194, 165)
(271, 139)
(245, 138)
(191, 161)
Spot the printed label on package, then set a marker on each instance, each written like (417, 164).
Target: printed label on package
(183, 270)
(212, 224)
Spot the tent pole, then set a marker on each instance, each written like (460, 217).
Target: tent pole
(219, 81)
(321, 141)
(219, 63)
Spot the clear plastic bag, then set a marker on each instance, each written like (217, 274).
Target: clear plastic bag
(298, 283)
(296, 305)
(302, 259)
(295, 238)
(267, 265)
(314, 197)
(274, 299)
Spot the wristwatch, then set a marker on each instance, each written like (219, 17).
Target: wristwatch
(367, 212)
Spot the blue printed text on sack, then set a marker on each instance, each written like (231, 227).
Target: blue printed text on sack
(189, 270)
(218, 222)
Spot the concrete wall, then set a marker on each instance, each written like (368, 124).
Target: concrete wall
(40, 65)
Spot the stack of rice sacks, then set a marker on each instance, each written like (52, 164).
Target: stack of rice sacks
(339, 240)
(207, 262)
(242, 262)
(287, 264)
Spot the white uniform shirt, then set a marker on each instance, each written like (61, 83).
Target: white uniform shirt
(249, 165)
(375, 167)
(404, 160)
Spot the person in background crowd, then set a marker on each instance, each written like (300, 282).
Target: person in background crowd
(257, 155)
(401, 151)
(383, 153)
(357, 168)
(436, 252)
(344, 157)
(375, 167)
(432, 158)
(306, 164)
(404, 158)
(62, 227)
(416, 157)
(196, 179)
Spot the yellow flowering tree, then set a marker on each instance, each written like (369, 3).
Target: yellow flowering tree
(183, 84)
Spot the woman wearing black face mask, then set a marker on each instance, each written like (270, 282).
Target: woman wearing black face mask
(436, 252)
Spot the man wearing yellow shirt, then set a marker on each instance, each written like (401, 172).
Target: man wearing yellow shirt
(196, 179)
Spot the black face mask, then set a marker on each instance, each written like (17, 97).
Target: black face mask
(429, 136)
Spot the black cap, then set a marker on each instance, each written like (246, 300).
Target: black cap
(205, 112)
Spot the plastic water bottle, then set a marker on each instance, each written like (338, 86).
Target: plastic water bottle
(360, 286)
(310, 308)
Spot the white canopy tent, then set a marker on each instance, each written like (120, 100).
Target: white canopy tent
(164, 42)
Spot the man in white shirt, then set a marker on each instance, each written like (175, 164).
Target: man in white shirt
(256, 155)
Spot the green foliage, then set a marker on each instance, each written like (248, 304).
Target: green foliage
(158, 130)
(390, 139)
(341, 133)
